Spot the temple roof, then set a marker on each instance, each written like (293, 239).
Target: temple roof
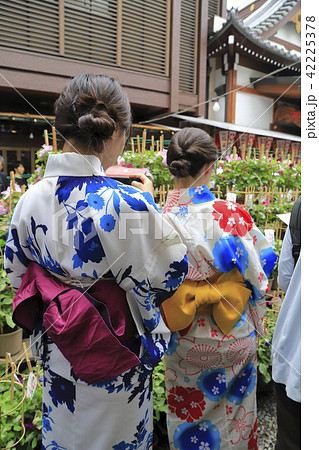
(243, 36)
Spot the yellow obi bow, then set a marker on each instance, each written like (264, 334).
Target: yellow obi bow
(224, 297)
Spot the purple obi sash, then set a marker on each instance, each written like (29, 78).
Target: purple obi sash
(89, 328)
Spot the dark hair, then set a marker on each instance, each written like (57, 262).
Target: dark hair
(189, 150)
(16, 164)
(90, 108)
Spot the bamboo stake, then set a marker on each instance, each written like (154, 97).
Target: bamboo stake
(132, 145)
(267, 153)
(143, 141)
(27, 357)
(234, 152)
(152, 142)
(276, 154)
(161, 140)
(138, 144)
(262, 149)
(292, 156)
(243, 151)
(55, 145)
(12, 387)
(46, 137)
(12, 181)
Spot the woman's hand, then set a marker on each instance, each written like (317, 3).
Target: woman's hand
(145, 185)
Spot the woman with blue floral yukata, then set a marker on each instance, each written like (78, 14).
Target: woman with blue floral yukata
(217, 312)
(91, 260)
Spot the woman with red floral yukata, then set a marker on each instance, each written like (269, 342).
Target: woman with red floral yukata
(217, 313)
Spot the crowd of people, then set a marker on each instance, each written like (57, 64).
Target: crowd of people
(107, 285)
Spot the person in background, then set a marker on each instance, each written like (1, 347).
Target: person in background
(91, 260)
(286, 345)
(4, 180)
(18, 169)
(217, 313)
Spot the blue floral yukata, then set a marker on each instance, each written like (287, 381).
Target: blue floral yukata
(82, 226)
(211, 376)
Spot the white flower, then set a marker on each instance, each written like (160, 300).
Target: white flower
(184, 411)
(239, 252)
(203, 426)
(179, 398)
(194, 439)
(231, 206)
(221, 378)
(231, 221)
(199, 189)
(215, 390)
(204, 446)
(243, 389)
(241, 221)
(193, 404)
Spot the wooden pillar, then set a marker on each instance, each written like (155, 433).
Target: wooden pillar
(231, 98)
(202, 27)
(175, 54)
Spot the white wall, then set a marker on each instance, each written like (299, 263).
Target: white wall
(253, 111)
(288, 33)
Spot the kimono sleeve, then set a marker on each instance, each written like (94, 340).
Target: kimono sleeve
(145, 254)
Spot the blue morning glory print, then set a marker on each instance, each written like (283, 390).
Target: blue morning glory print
(212, 383)
(242, 385)
(202, 435)
(62, 391)
(201, 194)
(268, 260)
(229, 252)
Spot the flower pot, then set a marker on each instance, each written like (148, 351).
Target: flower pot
(11, 342)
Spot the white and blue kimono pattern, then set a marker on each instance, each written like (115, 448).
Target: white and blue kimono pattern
(82, 226)
(211, 377)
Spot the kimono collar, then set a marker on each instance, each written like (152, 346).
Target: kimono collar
(198, 194)
(73, 165)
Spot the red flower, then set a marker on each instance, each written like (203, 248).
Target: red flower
(229, 409)
(187, 403)
(201, 322)
(254, 239)
(213, 332)
(253, 438)
(261, 276)
(232, 218)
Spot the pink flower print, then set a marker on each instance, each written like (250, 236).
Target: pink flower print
(241, 426)
(194, 358)
(201, 322)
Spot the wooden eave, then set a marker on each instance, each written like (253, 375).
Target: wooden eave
(250, 45)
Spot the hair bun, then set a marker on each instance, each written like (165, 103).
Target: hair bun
(101, 126)
(180, 168)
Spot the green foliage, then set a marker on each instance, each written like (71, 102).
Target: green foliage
(154, 161)
(264, 345)
(239, 174)
(159, 392)
(6, 297)
(11, 428)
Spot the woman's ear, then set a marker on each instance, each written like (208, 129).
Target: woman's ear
(208, 167)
